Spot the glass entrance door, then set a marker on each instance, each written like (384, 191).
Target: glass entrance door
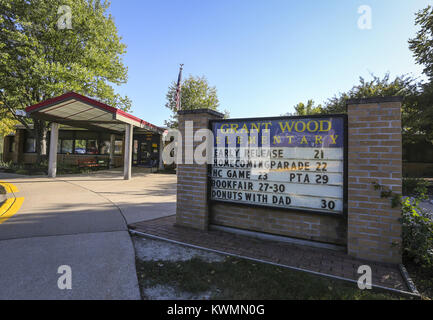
(142, 151)
(144, 154)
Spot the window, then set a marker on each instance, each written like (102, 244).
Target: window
(92, 147)
(12, 144)
(87, 142)
(118, 147)
(29, 142)
(104, 147)
(66, 141)
(67, 146)
(80, 147)
(30, 145)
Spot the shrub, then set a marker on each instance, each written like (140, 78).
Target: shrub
(415, 187)
(5, 164)
(22, 171)
(417, 233)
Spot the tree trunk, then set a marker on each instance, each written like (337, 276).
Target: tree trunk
(41, 130)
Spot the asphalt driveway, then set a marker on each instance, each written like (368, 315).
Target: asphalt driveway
(78, 221)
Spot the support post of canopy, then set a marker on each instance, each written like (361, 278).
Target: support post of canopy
(161, 148)
(127, 162)
(52, 160)
(112, 146)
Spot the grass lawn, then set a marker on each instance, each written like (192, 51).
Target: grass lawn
(242, 279)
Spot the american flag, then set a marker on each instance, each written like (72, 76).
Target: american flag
(179, 89)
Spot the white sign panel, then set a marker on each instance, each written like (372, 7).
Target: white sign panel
(292, 163)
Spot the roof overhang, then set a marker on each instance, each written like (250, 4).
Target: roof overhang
(77, 110)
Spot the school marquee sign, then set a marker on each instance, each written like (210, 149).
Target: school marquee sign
(286, 162)
(305, 177)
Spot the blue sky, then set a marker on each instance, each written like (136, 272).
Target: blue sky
(263, 56)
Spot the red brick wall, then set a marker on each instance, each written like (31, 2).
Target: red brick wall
(192, 206)
(375, 155)
(309, 226)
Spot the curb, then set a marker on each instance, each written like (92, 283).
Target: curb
(408, 279)
(401, 292)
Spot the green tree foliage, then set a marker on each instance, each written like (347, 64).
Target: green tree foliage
(422, 48)
(302, 109)
(417, 233)
(196, 94)
(6, 126)
(416, 126)
(403, 86)
(6, 122)
(39, 60)
(422, 44)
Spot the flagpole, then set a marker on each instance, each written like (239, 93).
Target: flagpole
(179, 89)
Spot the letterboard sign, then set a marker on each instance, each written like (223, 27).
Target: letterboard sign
(288, 162)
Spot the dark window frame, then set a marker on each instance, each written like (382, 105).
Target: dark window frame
(29, 135)
(98, 138)
(11, 144)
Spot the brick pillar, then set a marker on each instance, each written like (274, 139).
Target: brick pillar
(374, 155)
(192, 189)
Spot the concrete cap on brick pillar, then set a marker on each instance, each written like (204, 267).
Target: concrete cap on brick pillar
(196, 111)
(371, 100)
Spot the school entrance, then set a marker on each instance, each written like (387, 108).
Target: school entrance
(85, 130)
(145, 150)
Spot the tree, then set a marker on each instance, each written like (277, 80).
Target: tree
(422, 48)
(7, 123)
(302, 109)
(196, 94)
(41, 57)
(422, 44)
(416, 126)
(404, 86)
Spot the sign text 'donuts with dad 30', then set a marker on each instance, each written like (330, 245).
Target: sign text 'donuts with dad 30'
(288, 162)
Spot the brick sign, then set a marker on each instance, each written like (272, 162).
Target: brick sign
(288, 162)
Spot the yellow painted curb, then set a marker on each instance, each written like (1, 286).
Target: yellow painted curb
(6, 205)
(9, 187)
(10, 207)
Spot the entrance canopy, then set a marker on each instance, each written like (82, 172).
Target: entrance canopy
(77, 110)
(73, 109)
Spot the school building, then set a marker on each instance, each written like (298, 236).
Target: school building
(86, 132)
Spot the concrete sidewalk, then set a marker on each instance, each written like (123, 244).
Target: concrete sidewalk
(146, 197)
(78, 221)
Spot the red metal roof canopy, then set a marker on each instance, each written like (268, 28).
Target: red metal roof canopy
(74, 109)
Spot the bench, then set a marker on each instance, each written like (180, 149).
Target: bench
(92, 163)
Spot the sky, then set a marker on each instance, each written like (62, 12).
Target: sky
(263, 56)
